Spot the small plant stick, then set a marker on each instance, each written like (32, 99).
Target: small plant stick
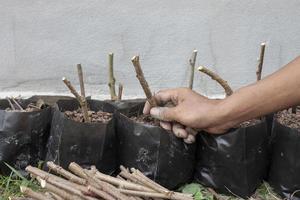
(192, 62)
(260, 61)
(27, 192)
(56, 190)
(80, 77)
(68, 175)
(16, 102)
(80, 99)
(10, 103)
(120, 93)
(112, 80)
(140, 76)
(217, 78)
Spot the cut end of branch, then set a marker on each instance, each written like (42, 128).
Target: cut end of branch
(135, 59)
(195, 51)
(263, 44)
(217, 78)
(23, 189)
(63, 78)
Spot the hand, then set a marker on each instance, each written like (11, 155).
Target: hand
(190, 111)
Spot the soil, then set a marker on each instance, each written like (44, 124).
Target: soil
(145, 119)
(289, 119)
(38, 105)
(96, 117)
(248, 123)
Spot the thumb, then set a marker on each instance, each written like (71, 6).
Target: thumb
(163, 113)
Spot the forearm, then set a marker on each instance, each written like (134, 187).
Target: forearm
(277, 91)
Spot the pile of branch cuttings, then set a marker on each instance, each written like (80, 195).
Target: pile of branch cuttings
(15, 105)
(90, 184)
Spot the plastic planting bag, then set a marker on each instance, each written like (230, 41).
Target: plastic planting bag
(235, 162)
(156, 152)
(84, 143)
(128, 107)
(284, 174)
(23, 136)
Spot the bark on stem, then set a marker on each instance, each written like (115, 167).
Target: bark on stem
(10, 103)
(68, 175)
(217, 78)
(120, 183)
(260, 61)
(16, 102)
(80, 77)
(154, 195)
(32, 194)
(35, 172)
(56, 190)
(112, 80)
(140, 76)
(120, 93)
(192, 63)
(80, 99)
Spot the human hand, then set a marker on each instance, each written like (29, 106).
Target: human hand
(190, 111)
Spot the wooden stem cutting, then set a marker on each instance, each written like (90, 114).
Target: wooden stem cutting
(260, 61)
(10, 103)
(192, 62)
(120, 93)
(217, 78)
(16, 102)
(112, 80)
(32, 194)
(68, 175)
(140, 76)
(80, 99)
(81, 82)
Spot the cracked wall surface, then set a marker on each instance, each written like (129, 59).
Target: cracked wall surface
(42, 41)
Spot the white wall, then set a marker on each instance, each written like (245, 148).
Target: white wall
(41, 41)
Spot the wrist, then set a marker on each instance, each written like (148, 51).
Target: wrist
(225, 116)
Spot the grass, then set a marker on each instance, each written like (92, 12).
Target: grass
(10, 186)
(264, 192)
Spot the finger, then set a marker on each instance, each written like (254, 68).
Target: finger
(192, 131)
(179, 130)
(164, 96)
(190, 139)
(147, 108)
(164, 113)
(166, 125)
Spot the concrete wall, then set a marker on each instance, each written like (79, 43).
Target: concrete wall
(41, 41)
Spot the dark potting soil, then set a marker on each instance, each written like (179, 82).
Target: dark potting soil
(248, 123)
(145, 119)
(98, 116)
(289, 119)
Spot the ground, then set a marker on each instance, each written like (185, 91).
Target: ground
(9, 186)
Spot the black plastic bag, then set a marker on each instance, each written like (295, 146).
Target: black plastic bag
(158, 153)
(235, 162)
(128, 107)
(23, 136)
(84, 143)
(284, 174)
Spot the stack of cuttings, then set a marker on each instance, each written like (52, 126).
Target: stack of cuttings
(98, 116)
(15, 106)
(90, 184)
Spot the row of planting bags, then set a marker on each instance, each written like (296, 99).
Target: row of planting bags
(236, 162)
